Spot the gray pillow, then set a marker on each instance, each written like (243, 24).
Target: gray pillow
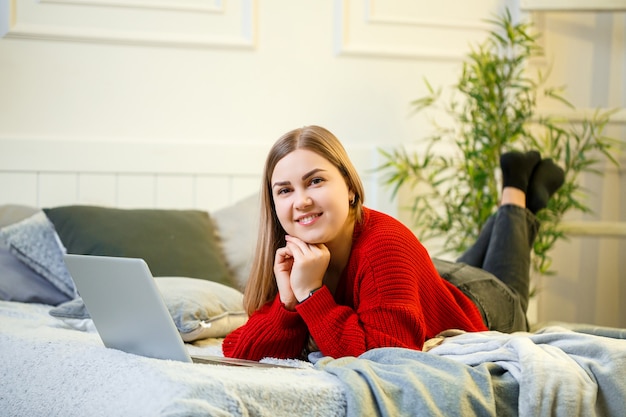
(35, 243)
(201, 309)
(20, 283)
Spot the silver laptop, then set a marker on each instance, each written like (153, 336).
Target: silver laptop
(128, 310)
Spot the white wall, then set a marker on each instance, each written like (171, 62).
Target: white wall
(587, 51)
(238, 72)
(245, 73)
(201, 75)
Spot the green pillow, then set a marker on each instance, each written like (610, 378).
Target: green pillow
(172, 242)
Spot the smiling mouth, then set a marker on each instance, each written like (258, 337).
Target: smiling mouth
(307, 219)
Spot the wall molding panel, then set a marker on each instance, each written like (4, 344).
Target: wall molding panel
(164, 23)
(574, 5)
(206, 6)
(406, 30)
(579, 115)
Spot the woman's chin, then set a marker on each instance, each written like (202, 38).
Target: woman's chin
(310, 239)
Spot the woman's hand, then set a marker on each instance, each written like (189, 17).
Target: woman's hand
(283, 263)
(299, 268)
(309, 264)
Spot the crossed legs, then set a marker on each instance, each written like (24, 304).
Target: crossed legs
(505, 242)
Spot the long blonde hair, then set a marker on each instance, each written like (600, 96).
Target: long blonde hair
(261, 286)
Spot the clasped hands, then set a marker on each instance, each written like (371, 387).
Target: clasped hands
(299, 268)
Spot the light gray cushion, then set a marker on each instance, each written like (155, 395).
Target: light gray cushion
(13, 213)
(237, 226)
(201, 309)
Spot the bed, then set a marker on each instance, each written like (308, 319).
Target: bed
(194, 223)
(55, 364)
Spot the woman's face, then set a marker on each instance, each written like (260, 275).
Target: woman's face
(311, 197)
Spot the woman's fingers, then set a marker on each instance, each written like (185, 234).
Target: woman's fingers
(300, 248)
(283, 264)
(310, 262)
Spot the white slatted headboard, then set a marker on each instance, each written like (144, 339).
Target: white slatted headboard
(46, 173)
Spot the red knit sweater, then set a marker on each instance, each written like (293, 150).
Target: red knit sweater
(389, 295)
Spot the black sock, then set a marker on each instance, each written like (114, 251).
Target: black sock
(545, 180)
(517, 168)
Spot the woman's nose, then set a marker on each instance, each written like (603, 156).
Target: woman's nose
(303, 200)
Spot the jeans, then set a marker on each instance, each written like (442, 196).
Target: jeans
(495, 272)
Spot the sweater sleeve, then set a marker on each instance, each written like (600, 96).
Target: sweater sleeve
(388, 314)
(272, 331)
(343, 331)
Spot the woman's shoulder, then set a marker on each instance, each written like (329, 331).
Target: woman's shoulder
(377, 225)
(384, 242)
(377, 221)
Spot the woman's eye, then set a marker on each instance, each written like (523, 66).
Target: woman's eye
(316, 181)
(282, 191)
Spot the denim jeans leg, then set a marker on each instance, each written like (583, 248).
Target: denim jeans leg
(503, 248)
(499, 307)
(475, 255)
(495, 272)
(508, 255)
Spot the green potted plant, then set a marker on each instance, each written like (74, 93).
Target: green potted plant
(490, 110)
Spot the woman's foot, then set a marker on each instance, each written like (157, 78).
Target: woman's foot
(545, 180)
(517, 168)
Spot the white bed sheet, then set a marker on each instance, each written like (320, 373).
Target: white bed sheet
(49, 368)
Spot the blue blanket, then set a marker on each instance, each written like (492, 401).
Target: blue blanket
(555, 371)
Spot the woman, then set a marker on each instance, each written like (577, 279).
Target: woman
(332, 275)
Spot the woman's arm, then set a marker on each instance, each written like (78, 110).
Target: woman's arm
(272, 331)
(383, 320)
